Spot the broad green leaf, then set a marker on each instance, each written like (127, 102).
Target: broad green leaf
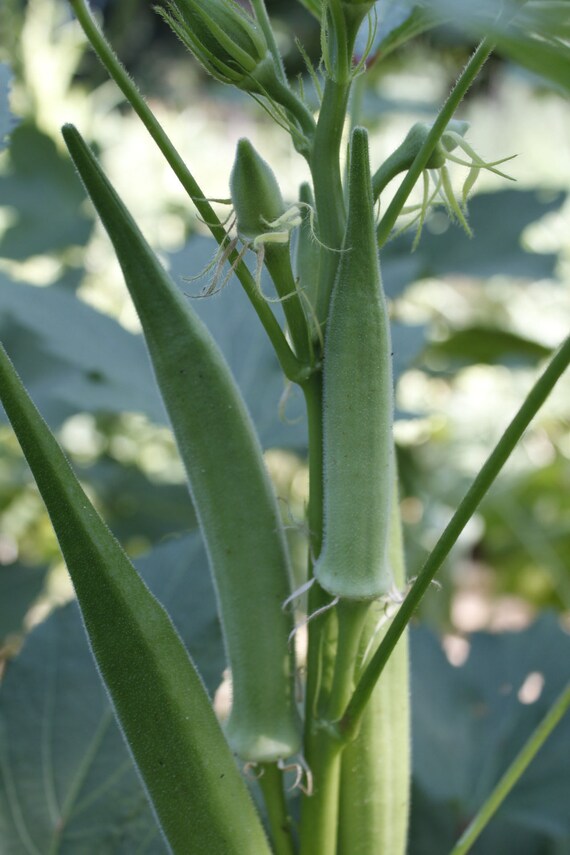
(532, 34)
(66, 777)
(157, 693)
(468, 724)
(19, 586)
(135, 506)
(55, 340)
(549, 60)
(42, 192)
(497, 220)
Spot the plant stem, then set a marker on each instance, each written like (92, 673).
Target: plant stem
(278, 263)
(319, 810)
(351, 619)
(513, 773)
(327, 183)
(454, 98)
(313, 391)
(349, 723)
(291, 366)
(271, 785)
(375, 767)
(262, 18)
(319, 815)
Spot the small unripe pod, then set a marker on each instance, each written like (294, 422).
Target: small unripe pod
(255, 193)
(358, 407)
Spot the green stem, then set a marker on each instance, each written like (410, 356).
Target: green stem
(278, 263)
(351, 619)
(292, 368)
(271, 785)
(313, 392)
(327, 183)
(375, 770)
(319, 813)
(288, 99)
(454, 98)
(262, 19)
(343, 50)
(394, 164)
(495, 462)
(513, 773)
(319, 810)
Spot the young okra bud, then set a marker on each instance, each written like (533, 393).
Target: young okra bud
(224, 38)
(255, 193)
(358, 407)
(228, 43)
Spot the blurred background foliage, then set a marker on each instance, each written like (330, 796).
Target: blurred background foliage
(473, 319)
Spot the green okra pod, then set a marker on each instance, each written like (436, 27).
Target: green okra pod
(375, 769)
(358, 407)
(230, 487)
(160, 701)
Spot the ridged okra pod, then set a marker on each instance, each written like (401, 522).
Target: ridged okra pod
(375, 769)
(229, 484)
(358, 407)
(162, 706)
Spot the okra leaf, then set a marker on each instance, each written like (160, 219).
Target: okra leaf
(498, 221)
(470, 721)
(134, 506)
(55, 341)
(531, 34)
(20, 584)
(63, 760)
(157, 694)
(42, 192)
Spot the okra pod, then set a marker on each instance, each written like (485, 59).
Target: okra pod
(375, 769)
(229, 484)
(357, 407)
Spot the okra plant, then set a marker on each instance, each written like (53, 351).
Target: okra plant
(336, 722)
